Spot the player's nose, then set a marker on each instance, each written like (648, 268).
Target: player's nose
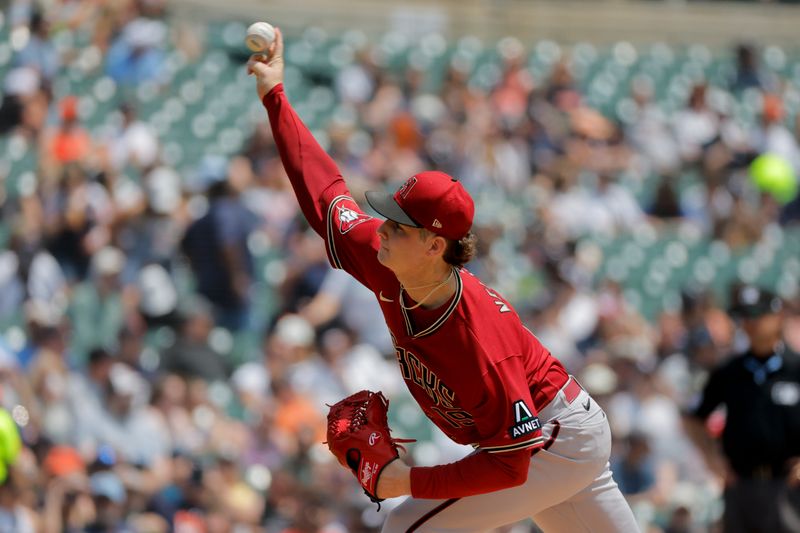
(382, 232)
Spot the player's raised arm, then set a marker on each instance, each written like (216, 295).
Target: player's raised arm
(314, 176)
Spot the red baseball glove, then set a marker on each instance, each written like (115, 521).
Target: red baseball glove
(359, 437)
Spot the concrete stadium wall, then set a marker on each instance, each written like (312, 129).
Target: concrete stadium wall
(716, 24)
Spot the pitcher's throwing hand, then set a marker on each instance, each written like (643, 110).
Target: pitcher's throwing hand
(268, 67)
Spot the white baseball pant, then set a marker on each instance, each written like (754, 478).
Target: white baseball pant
(569, 487)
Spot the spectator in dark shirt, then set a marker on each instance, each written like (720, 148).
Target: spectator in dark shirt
(216, 245)
(748, 73)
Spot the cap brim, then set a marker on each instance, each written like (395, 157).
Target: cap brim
(385, 205)
(756, 311)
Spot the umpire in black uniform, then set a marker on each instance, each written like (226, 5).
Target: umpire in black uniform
(760, 389)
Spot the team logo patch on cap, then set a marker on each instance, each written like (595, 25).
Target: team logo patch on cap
(407, 186)
(349, 219)
(525, 422)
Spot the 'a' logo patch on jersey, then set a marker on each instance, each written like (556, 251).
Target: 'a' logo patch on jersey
(525, 422)
(349, 219)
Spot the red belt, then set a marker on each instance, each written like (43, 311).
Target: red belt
(571, 391)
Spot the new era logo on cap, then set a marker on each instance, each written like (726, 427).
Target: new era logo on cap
(431, 200)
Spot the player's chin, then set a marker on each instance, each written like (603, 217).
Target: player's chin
(383, 257)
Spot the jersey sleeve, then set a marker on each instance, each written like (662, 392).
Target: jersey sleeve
(352, 241)
(350, 234)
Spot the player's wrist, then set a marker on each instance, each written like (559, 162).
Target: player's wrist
(272, 91)
(395, 480)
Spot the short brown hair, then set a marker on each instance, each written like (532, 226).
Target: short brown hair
(457, 253)
(460, 252)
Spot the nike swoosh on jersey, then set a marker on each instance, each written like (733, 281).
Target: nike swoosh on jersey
(383, 298)
(587, 404)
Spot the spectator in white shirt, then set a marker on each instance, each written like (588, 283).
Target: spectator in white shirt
(696, 126)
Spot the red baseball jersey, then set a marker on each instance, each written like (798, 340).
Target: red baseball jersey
(472, 366)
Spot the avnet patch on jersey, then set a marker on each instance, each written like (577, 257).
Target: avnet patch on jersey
(524, 421)
(348, 218)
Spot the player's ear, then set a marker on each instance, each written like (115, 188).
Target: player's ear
(437, 245)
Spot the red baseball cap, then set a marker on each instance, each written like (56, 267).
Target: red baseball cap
(431, 200)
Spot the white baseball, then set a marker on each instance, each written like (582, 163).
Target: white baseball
(259, 36)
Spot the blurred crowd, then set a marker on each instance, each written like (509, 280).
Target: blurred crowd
(124, 282)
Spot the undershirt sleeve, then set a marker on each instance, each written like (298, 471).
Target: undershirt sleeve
(478, 473)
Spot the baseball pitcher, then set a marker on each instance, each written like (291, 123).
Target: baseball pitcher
(541, 443)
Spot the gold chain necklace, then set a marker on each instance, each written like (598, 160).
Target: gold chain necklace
(436, 288)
